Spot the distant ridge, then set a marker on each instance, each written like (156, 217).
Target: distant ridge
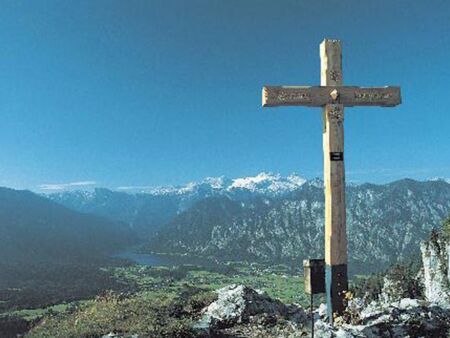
(33, 228)
(264, 183)
(148, 209)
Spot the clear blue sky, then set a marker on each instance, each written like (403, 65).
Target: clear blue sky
(163, 92)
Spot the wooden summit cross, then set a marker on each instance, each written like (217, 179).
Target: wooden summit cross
(333, 96)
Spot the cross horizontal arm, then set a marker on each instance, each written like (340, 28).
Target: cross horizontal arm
(322, 95)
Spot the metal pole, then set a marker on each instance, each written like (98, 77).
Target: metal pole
(312, 315)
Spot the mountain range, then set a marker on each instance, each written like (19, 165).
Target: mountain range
(34, 229)
(385, 224)
(263, 183)
(147, 209)
(273, 218)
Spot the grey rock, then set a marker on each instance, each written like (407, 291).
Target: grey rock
(239, 304)
(322, 310)
(114, 335)
(243, 312)
(404, 318)
(435, 259)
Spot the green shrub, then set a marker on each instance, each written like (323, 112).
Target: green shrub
(446, 229)
(368, 287)
(148, 314)
(404, 273)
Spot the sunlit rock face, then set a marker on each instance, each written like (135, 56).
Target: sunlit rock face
(241, 311)
(239, 304)
(404, 318)
(435, 259)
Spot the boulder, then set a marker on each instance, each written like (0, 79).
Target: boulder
(238, 304)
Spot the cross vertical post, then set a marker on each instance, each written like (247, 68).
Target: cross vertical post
(334, 178)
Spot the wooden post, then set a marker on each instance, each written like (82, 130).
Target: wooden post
(334, 179)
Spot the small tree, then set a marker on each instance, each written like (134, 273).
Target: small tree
(446, 229)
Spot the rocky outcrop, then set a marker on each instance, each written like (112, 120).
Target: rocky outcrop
(406, 318)
(436, 272)
(242, 312)
(402, 281)
(241, 307)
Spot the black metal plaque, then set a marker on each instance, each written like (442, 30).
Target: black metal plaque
(336, 156)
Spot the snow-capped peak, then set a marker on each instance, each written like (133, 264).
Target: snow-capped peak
(295, 179)
(268, 182)
(263, 183)
(316, 182)
(447, 180)
(253, 181)
(216, 182)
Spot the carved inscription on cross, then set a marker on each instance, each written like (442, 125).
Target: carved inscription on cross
(333, 96)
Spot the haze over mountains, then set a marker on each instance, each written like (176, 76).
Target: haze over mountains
(51, 253)
(273, 218)
(35, 229)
